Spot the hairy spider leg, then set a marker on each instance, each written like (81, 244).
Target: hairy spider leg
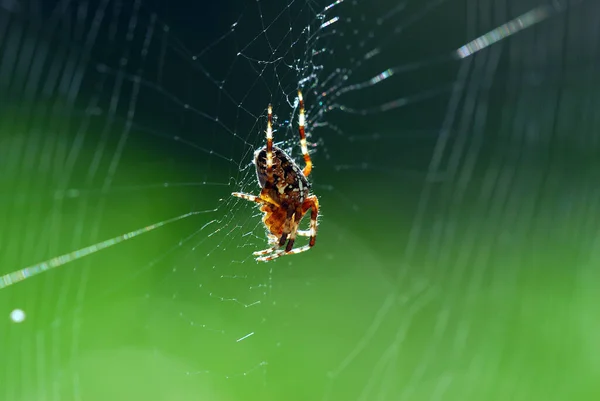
(312, 203)
(251, 198)
(272, 240)
(297, 216)
(303, 146)
(265, 251)
(281, 252)
(269, 183)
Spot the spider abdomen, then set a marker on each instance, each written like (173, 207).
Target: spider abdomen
(289, 183)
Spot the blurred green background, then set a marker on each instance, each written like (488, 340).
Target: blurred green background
(456, 255)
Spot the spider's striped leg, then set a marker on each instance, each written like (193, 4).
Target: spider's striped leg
(312, 203)
(299, 213)
(279, 253)
(251, 198)
(274, 249)
(303, 146)
(274, 252)
(273, 241)
(265, 251)
(274, 255)
(294, 251)
(270, 180)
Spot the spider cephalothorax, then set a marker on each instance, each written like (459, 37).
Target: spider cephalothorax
(285, 196)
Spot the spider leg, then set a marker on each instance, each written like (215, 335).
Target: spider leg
(270, 180)
(283, 239)
(297, 216)
(265, 251)
(312, 203)
(311, 231)
(303, 146)
(276, 254)
(279, 253)
(273, 241)
(251, 198)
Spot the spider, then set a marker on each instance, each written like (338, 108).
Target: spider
(285, 193)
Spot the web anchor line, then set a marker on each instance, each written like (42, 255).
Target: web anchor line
(31, 271)
(523, 21)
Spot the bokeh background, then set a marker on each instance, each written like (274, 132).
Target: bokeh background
(457, 250)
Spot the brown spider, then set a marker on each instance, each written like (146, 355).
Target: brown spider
(285, 193)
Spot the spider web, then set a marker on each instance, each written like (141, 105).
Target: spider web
(454, 146)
